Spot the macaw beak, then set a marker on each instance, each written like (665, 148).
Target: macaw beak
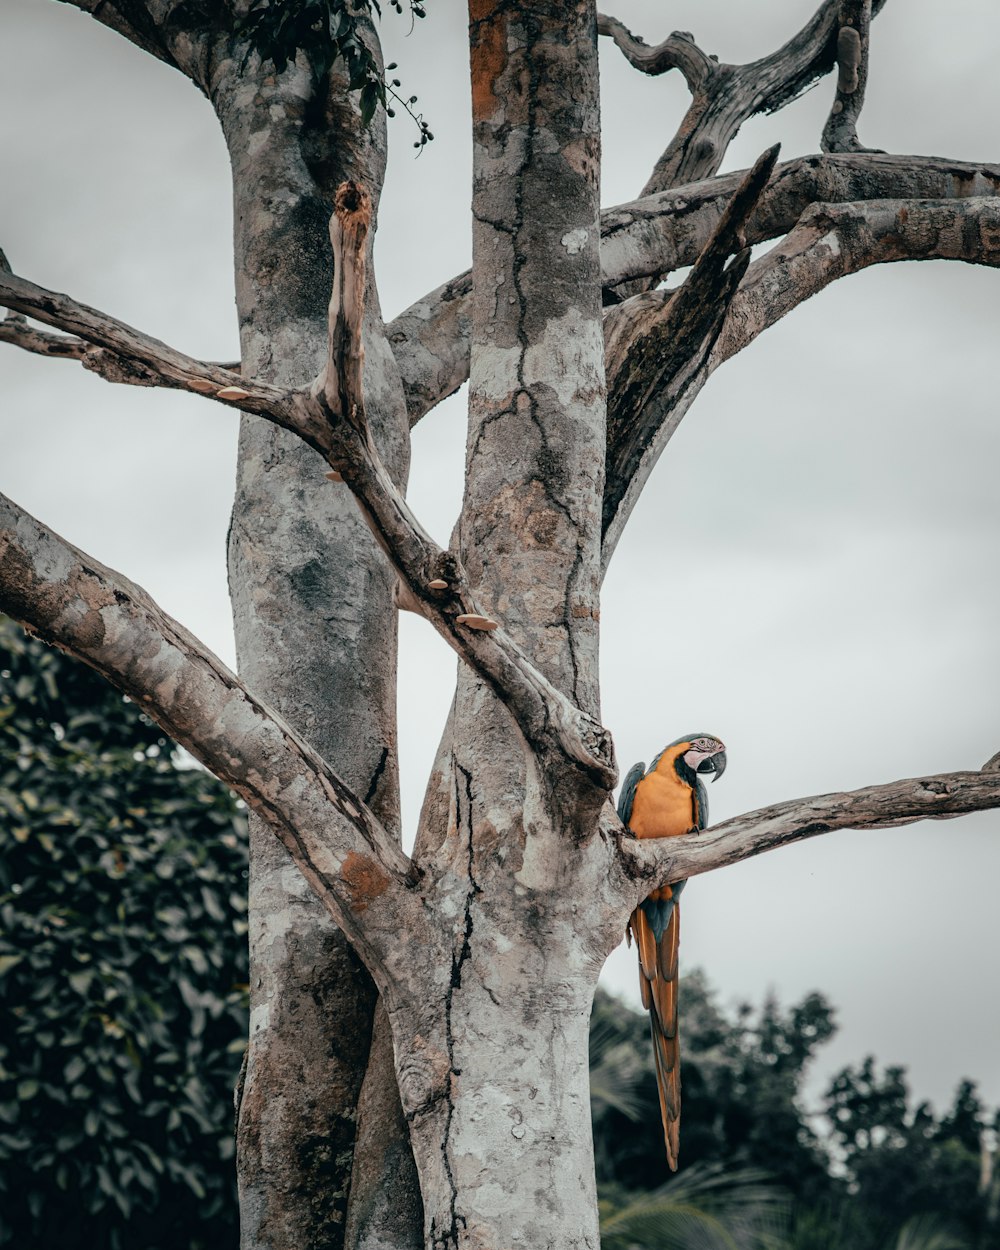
(714, 764)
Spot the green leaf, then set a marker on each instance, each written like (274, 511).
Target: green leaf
(74, 1069)
(368, 102)
(98, 1053)
(80, 981)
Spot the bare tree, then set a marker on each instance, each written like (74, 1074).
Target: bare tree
(486, 944)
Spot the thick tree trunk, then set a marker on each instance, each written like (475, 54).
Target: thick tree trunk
(385, 1211)
(506, 1158)
(316, 635)
(501, 1127)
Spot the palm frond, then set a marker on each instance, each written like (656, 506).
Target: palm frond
(703, 1208)
(616, 1074)
(927, 1232)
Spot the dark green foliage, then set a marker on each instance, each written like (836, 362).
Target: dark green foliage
(741, 1084)
(903, 1162)
(880, 1175)
(701, 1208)
(122, 971)
(326, 30)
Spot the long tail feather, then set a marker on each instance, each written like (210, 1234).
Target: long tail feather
(658, 984)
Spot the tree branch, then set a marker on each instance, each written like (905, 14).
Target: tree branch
(430, 342)
(176, 33)
(72, 601)
(840, 134)
(679, 51)
(131, 356)
(434, 582)
(833, 240)
(17, 331)
(651, 237)
(830, 241)
(731, 94)
(657, 348)
(655, 861)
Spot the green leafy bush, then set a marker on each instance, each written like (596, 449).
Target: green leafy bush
(122, 970)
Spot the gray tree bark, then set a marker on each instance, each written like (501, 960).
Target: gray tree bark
(484, 947)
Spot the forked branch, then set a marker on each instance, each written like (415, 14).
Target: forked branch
(726, 96)
(657, 861)
(131, 355)
(19, 332)
(74, 602)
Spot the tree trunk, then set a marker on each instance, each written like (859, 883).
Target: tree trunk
(501, 1129)
(492, 1054)
(506, 1159)
(316, 634)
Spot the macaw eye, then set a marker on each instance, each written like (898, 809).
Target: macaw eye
(707, 744)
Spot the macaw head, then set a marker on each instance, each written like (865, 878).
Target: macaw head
(705, 754)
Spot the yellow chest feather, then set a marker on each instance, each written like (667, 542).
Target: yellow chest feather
(664, 806)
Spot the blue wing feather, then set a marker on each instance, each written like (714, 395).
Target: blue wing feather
(702, 795)
(627, 796)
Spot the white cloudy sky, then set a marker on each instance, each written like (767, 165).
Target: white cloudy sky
(833, 493)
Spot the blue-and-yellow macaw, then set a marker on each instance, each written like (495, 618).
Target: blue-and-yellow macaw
(664, 801)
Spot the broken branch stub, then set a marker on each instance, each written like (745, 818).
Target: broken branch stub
(658, 348)
(840, 132)
(342, 378)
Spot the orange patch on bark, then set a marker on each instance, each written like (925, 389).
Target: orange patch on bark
(364, 879)
(489, 57)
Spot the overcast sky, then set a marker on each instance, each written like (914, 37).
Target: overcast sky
(833, 493)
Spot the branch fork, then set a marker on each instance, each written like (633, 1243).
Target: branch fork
(725, 96)
(432, 581)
